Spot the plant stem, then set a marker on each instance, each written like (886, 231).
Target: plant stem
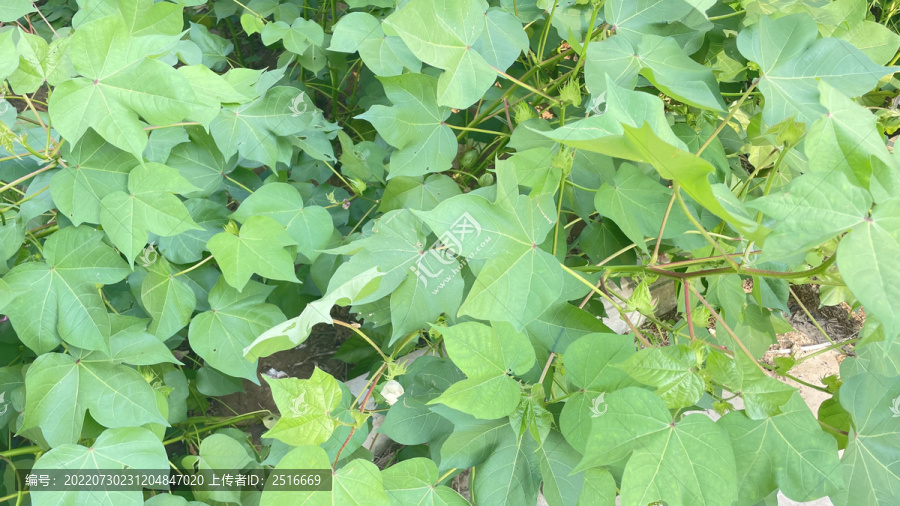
(477, 130)
(726, 16)
(662, 226)
(562, 188)
(526, 86)
(827, 349)
(13, 496)
(186, 123)
(687, 310)
(362, 408)
(355, 328)
(26, 177)
(731, 114)
(810, 316)
(225, 423)
(198, 264)
(637, 333)
(587, 39)
(237, 183)
(22, 450)
(444, 477)
(702, 230)
(725, 326)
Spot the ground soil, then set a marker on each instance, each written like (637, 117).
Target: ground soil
(299, 362)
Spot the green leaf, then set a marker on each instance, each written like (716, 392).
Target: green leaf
(59, 389)
(510, 475)
(201, 162)
(686, 461)
(10, 54)
(637, 204)
(519, 280)
(422, 283)
(119, 86)
(148, 206)
(763, 395)
(58, 300)
(410, 421)
(383, 55)
(415, 193)
(291, 333)
(121, 448)
(161, 143)
(661, 61)
(691, 172)
(792, 61)
(261, 130)
(310, 227)
(418, 301)
(414, 125)
(788, 452)
(810, 210)
(214, 49)
(95, 170)
(413, 482)
(633, 18)
(561, 486)
(605, 133)
(870, 468)
(487, 356)
(257, 249)
(297, 37)
(234, 320)
(673, 370)
(305, 407)
(866, 265)
(561, 325)
(130, 343)
(167, 299)
(221, 451)
(40, 63)
(188, 247)
(468, 43)
(358, 482)
(15, 9)
(472, 440)
(590, 368)
(846, 140)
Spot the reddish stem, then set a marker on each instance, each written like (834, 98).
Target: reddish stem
(362, 408)
(687, 310)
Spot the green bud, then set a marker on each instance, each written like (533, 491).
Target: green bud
(524, 112)
(358, 186)
(700, 316)
(788, 132)
(468, 159)
(641, 300)
(722, 407)
(486, 179)
(563, 159)
(231, 227)
(570, 94)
